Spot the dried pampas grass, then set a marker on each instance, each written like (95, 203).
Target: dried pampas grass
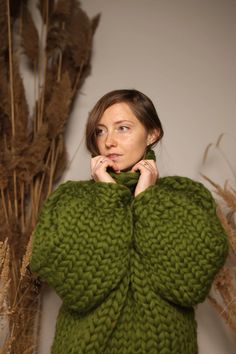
(32, 148)
(223, 292)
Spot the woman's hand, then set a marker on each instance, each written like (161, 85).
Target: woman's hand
(148, 177)
(99, 165)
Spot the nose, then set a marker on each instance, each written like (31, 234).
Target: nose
(110, 140)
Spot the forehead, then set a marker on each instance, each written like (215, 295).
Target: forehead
(117, 112)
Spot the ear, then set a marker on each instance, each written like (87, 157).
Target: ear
(153, 136)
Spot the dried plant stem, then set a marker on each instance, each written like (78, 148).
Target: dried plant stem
(32, 194)
(35, 122)
(32, 176)
(227, 298)
(17, 301)
(22, 201)
(217, 146)
(42, 180)
(3, 292)
(15, 194)
(36, 86)
(230, 232)
(227, 161)
(12, 335)
(40, 109)
(12, 97)
(42, 97)
(26, 259)
(11, 68)
(60, 61)
(221, 311)
(36, 196)
(216, 305)
(6, 349)
(223, 296)
(14, 275)
(5, 280)
(44, 75)
(43, 61)
(4, 206)
(57, 152)
(52, 167)
(9, 203)
(231, 302)
(35, 95)
(59, 67)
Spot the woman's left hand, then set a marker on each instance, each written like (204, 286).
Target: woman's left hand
(148, 175)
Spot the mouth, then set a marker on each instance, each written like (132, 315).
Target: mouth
(113, 156)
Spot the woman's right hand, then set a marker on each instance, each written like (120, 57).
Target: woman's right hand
(99, 165)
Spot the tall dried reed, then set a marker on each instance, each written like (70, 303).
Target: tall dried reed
(32, 149)
(223, 292)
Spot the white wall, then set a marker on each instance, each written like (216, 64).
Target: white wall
(182, 54)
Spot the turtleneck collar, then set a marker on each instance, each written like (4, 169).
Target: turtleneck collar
(130, 179)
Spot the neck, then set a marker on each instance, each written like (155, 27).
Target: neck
(130, 179)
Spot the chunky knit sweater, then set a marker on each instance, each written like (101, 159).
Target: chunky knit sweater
(129, 269)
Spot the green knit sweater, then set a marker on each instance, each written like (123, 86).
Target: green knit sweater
(128, 269)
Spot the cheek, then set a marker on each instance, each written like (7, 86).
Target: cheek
(137, 143)
(135, 151)
(100, 146)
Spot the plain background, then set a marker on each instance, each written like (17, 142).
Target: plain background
(181, 54)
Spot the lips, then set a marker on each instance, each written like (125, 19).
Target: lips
(113, 156)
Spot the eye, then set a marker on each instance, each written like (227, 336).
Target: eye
(99, 131)
(123, 128)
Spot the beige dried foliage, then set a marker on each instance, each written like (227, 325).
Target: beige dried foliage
(32, 149)
(61, 162)
(58, 107)
(3, 25)
(223, 312)
(80, 37)
(4, 273)
(3, 175)
(5, 110)
(231, 232)
(64, 8)
(26, 258)
(29, 159)
(29, 43)
(21, 109)
(223, 292)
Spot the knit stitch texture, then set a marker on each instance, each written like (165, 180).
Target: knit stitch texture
(129, 269)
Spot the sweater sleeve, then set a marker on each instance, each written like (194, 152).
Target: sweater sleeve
(180, 239)
(81, 242)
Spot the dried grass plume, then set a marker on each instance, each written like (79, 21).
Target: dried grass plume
(32, 148)
(223, 292)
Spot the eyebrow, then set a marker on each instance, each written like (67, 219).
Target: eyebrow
(118, 122)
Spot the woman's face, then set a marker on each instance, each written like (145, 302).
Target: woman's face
(122, 137)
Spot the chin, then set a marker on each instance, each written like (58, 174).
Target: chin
(126, 169)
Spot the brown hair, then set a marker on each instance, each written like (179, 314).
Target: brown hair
(141, 106)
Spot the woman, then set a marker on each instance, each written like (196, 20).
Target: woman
(129, 253)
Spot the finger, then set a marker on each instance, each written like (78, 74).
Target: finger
(153, 167)
(108, 163)
(102, 163)
(141, 168)
(144, 165)
(95, 160)
(150, 163)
